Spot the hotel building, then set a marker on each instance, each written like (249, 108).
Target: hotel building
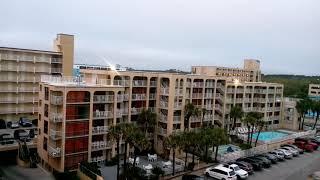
(20, 71)
(76, 113)
(314, 91)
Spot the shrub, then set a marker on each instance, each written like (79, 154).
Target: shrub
(113, 161)
(66, 175)
(245, 146)
(190, 166)
(157, 171)
(134, 173)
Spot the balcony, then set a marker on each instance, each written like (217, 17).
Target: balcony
(176, 118)
(56, 70)
(100, 145)
(42, 59)
(277, 109)
(164, 91)
(56, 100)
(208, 107)
(152, 96)
(118, 113)
(247, 100)
(162, 131)
(153, 83)
(119, 98)
(125, 111)
(218, 107)
(163, 118)
(210, 85)
(28, 89)
(9, 89)
(198, 84)
(8, 100)
(55, 135)
(26, 58)
(163, 104)
(9, 68)
(8, 78)
(56, 60)
(239, 100)
(219, 96)
(136, 111)
(139, 97)
(139, 83)
(26, 79)
(229, 100)
(229, 90)
(208, 117)
(152, 109)
(178, 105)
(103, 98)
(195, 119)
(100, 130)
(248, 91)
(42, 69)
(126, 97)
(102, 114)
(197, 95)
(246, 109)
(208, 95)
(179, 92)
(56, 117)
(220, 86)
(54, 152)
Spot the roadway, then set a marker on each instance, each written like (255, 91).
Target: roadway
(298, 168)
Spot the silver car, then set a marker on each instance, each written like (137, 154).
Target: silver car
(292, 150)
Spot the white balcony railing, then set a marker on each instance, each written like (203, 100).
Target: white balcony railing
(55, 135)
(197, 95)
(163, 104)
(164, 91)
(102, 114)
(152, 96)
(138, 83)
(135, 111)
(56, 100)
(163, 118)
(176, 118)
(179, 92)
(138, 97)
(153, 83)
(100, 130)
(56, 70)
(162, 131)
(54, 151)
(103, 98)
(208, 95)
(126, 97)
(198, 84)
(56, 60)
(177, 105)
(119, 98)
(100, 145)
(56, 117)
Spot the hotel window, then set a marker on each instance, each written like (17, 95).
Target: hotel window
(46, 109)
(46, 93)
(45, 127)
(45, 143)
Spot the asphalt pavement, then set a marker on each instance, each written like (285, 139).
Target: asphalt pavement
(298, 168)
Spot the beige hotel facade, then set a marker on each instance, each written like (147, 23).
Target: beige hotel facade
(76, 112)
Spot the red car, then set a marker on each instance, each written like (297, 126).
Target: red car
(305, 146)
(315, 145)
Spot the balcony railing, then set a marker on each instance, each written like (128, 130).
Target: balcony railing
(8, 100)
(153, 83)
(55, 135)
(210, 85)
(100, 145)
(56, 60)
(208, 95)
(42, 59)
(56, 70)
(152, 109)
(219, 96)
(218, 107)
(103, 98)
(248, 91)
(177, 118)
(179, 92)
(135, 111)
(163, 104)
(139, 83)
(152, 96)
(138, 97)
(100, 130)
(197, 95)
(208, 107)
(54, 151)
(198, 84)
(163, 118)
(164, 91)
(8, 79)
(162, 131)
(208, 117)
(56, 117)
(126, 97)
(177, 105)
(119, 98)
(220, 86)
(102, 114)
(9, 89)
(277, 109)
(230, 90)
(56, 100)
(195, 119)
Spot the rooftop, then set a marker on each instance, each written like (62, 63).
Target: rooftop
(29, 50)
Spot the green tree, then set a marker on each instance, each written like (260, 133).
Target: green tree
(172, 143)
(116, 134)
(316, 106)
(235, 113)
(248, 120)
(127, 130)
(204, 111)
(260, 124)
(206, 139)
(139, 142)
(256, 116)
(148, 120)
(184, 144)
(189, 111)
(302, 107)
(219, 138)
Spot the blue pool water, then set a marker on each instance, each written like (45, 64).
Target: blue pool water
(269, 135)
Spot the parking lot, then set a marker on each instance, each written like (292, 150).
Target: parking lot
(297, 168)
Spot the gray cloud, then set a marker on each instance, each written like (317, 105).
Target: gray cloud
(173, 33)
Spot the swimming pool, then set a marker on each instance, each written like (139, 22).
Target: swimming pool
(269, 135)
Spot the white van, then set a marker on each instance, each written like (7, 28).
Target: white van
(221, 172)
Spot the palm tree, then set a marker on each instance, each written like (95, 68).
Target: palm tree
(256, 117)
(148, 120)
(248, 119)
(235, 113)
(184, 144)
(128, 130)
(203, 112)
(189, 111)
(116, 134)
(316, 105)
(302, 107)
(206, 139)
(260, 123)
(172, 142)
(194, 143)
(219, 138)
(140, 143)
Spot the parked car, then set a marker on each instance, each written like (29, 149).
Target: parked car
(243, 165)
(278, 154)
(21, 134)
(271, 157)
(24, 122)
(192, 177)
(255, 164)
(241, 174)
(315, 140)
(287, 154)
(13, 125)
(266, 162)
(3, 124)
(306, 140)
(305, 146)
(221, 173)
(294, 152)
(301, 151)
(6, 139)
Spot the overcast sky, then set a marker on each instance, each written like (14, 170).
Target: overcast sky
(163, 34)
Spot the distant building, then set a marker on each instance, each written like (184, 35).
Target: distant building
(314, 91)
(290, 114)
(249, 73)
(20, 71)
